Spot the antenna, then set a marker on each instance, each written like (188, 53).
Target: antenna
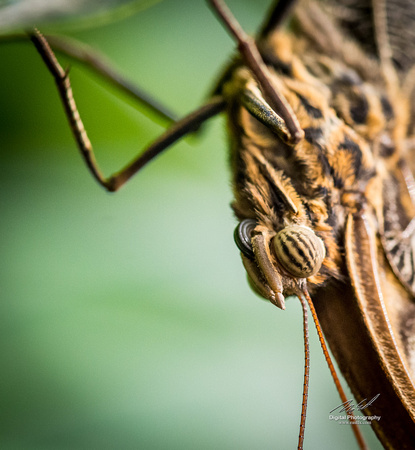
(306, 373)
(358, 435)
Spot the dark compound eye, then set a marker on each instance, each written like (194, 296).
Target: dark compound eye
(243, 235)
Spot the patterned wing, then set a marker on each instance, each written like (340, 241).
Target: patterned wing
(357, 18)
(386, 30)
(398, 230)
(384, 307)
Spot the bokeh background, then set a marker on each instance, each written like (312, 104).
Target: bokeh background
(127, 322)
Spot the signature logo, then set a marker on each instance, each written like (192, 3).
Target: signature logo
(349, 407)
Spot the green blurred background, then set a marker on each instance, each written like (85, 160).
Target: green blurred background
(126, 319)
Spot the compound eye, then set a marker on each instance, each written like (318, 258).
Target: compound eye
(299, 251)
(243, 236)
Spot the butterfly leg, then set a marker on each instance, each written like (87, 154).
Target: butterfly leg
(100, 65)
(173, 134)
(250, 53)
(278, 13)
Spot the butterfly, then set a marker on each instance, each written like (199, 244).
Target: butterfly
(322, 182)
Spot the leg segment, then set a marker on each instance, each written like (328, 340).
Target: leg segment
(253, 59)
(99, 64)
(114, 182)
(279, 11)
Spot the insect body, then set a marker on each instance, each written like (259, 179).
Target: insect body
(347, 187)
(312, 184)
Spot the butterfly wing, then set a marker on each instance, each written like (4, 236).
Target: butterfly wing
(362, 322)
